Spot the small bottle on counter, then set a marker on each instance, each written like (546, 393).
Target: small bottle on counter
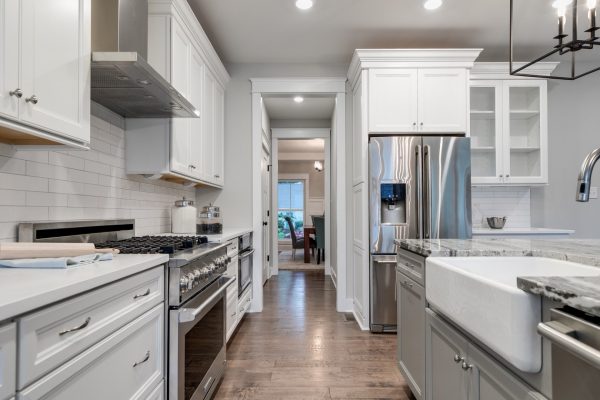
(210, 221)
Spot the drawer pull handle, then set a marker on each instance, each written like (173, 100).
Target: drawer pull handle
(408, 284)
(466, 367)
(146, 358)
(77, 328)
(146, 293)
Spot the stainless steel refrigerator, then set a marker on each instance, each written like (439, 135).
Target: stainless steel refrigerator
(419, 188)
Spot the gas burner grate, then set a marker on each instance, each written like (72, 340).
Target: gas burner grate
(154, 244)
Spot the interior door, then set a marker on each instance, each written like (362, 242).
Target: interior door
(9, 58)
(55, 66)
(266, 212)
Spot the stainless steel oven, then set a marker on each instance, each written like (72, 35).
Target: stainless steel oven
(245, 261)
(197, 343)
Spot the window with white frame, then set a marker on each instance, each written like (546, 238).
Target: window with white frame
(290, 204)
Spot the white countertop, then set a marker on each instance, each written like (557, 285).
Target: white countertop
(23, 290)
(228, 234)
(484, 231)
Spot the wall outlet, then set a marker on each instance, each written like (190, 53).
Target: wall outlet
(593, 192)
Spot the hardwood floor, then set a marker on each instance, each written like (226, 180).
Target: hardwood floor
(299, 347)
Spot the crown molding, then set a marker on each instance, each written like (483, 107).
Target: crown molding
(410, 58)
(501, 70)
(182, 10)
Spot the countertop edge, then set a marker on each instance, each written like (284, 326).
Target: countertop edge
(534, 285)
(23, 305)
(228, 234)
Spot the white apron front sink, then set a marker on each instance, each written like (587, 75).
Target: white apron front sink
(480, 295)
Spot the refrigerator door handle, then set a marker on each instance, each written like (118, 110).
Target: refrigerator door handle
(419, 191)
(426, 192)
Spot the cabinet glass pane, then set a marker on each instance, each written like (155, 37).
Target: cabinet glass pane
(524, 131)
(483, 131)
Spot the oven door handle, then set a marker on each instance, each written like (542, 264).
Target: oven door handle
(246, 254)
(190, 314)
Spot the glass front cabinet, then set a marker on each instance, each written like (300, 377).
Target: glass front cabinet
(509, 133)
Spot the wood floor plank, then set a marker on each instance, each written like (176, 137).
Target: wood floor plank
(300, 348)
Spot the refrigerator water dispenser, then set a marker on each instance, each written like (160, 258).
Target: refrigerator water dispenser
(393, 203)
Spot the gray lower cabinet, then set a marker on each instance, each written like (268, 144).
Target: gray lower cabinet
(411, 332)
(459, 370)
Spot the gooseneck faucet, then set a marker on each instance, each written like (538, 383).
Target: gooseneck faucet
(585, 175)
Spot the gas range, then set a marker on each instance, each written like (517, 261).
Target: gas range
(193, 262)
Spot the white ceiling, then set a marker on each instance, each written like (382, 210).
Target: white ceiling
(301, 146)
(275, 31)
(310, 108)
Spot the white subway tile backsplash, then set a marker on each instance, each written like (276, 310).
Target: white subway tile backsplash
(74, 184)
(511, 202)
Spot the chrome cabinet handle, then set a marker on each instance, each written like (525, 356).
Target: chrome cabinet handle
(33, 99)
(192, 166)
(146, 358)
(466, 366)
(77, 328)
(217, 176)
(458, 359)
(146, 293)
(18, 93)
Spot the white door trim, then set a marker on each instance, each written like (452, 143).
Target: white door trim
(337, 87)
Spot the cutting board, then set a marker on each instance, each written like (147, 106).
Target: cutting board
(14, 251)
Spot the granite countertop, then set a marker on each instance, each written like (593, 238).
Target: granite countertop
(228, 234)
(24, 290)
(582, 251)
(582, 293)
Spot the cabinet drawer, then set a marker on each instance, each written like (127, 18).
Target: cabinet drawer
(126, 365)
(244, 303)
(56, 334)
(232, 315)
(8, 360)
(411, 265)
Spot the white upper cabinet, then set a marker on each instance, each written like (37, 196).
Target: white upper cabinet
(393, 100)
(443, 100)
(45, 51)
(195, 145)
(509, 127)
(9, 53)
(425, 100)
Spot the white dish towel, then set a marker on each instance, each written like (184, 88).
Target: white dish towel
(56, 263)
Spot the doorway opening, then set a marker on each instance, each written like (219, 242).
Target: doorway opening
(281, 113)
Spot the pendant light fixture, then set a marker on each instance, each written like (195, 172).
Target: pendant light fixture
(569, 30)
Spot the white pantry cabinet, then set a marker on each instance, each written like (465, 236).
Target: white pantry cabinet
(45, 53)
(509, 126)
(186, 150)
(8, 360)
(425, 100)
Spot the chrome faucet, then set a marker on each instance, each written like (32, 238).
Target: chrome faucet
(585, 175)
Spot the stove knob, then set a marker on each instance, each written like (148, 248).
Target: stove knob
(191, 280)
(212, 267)
(228, 260)
(197, 275)
(183, 284)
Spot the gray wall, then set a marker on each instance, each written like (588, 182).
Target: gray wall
(573, 131)
(236, 198)
(316, 179)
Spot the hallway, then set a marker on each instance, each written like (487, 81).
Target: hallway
(299, 347)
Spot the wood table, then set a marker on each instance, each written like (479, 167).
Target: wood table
(308, 230)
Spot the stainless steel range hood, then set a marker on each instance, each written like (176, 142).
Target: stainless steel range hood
(122, 80)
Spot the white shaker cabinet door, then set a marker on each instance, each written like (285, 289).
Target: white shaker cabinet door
(197, 68)
(393, 100)
(219, 136)
(55, 66)
(9, 59)
(443, 100)
(8, 360)
(208, 134)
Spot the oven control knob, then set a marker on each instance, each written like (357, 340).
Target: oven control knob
(212, 267)
(191, 280)
(197, 275)
(183, 284)
(205, 272)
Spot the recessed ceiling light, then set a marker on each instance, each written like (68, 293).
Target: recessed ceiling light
(304, 4)
(432, 4)
(298, 99)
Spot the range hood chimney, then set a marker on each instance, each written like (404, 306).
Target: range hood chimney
(122, 80)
